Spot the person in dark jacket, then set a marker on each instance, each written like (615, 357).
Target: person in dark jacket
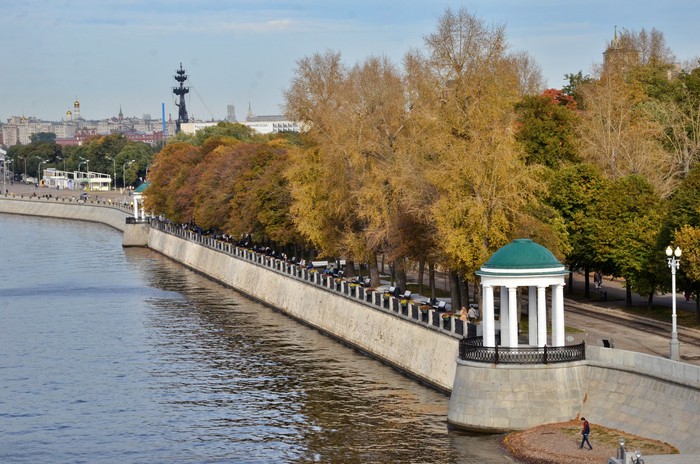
(585, 431)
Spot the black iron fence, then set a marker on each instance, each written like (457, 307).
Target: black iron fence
(473, 349)
(399, 306)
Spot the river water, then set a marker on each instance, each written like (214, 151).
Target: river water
(113, 355)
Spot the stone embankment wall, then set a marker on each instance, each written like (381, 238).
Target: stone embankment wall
(63, 208)
(423, 351)
(506, 397)
(641, 394)
(645, 395)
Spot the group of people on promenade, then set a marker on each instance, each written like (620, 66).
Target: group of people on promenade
(469, 315)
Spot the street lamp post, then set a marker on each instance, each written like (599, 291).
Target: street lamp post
(124, 172)
(5, 163)
(674, 262)
(38, 171)
(114, 171)
(87, 170)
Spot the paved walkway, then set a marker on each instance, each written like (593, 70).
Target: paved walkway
(18, 188)
(599, 319)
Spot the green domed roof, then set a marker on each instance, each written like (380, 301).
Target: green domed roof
(522, 253)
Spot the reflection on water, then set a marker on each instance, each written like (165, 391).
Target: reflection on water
(121, 355)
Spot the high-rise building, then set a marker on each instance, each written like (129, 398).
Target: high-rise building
(231, 113)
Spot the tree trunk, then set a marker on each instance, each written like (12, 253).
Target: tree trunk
(586, 282)
(400, 268)
(478, 294)
(463, 290)
(628, 295)
(373, 272)
(454, 290)
(571, 280)
(650, 300)
(349, 268)
(421, 272)
(467, 294)
(431, 279)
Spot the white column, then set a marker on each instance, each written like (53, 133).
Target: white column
(512, 317)
(488, 316)
(136, 208)
(558, 327)
(503, 317)
(541, 316)
(532, 315)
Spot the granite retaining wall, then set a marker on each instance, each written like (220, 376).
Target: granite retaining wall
(63, 208)
(422, 351)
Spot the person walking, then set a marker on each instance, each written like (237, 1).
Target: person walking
(585, 431)
(471, 314)
(463, 314)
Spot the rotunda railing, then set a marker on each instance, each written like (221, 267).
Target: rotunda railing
(473, 349)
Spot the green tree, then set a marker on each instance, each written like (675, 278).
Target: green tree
(688, 239)
(574, 191)
(224, 129)
(546, 130)
(574, 84)
(47, 137)
(679, 229)
(141, 153)
(627, 226)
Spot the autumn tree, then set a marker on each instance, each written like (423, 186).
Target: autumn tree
(172, 190)
(260, 197)
(678, 113)
(616, 134)
(483, 186)
(343, 182)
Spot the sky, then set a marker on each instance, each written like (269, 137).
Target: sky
(112, 54)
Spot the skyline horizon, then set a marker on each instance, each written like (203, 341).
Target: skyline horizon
(240, 53)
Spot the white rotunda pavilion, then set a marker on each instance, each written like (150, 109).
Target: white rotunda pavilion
(523, 263)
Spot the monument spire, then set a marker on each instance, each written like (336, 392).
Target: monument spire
(181, 91)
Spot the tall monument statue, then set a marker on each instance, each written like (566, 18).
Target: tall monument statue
(181, 91)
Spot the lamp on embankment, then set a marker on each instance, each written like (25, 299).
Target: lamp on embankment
(124, 172)
(39, 177)
(5, 163)
(674, 263)
(114, 171)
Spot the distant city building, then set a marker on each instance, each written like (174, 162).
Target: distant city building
(271, 124)
(76, 130)
(191, 128)
(619, 57)
(260, 124)
(75, 180)
(231, 113)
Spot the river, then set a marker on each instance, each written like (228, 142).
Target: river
(121, 355)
